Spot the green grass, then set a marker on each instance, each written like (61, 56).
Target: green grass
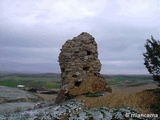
(94, 94)
(13, 81)
(52, 85)
(116, 80)
(10, 84)
(26, 78)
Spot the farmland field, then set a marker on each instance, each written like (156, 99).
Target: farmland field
(52, 80)
(48, 80)
(129, 80)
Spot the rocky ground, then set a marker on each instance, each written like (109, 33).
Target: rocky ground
(21, 105)
(72, 110)
(15, 100)
(9, 94)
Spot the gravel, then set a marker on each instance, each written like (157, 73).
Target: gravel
(73, 110)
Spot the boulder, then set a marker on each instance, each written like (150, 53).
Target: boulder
(80, 68)
(9, 94)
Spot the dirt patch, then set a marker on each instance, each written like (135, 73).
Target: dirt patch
(133, 89)
(140, 101)
(133, 97)
(47, 97)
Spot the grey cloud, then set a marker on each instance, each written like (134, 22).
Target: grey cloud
(30, 68)
(35, 46)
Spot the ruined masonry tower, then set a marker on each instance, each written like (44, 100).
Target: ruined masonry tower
(80, 67)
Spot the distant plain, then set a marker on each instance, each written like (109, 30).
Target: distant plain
(53, 80)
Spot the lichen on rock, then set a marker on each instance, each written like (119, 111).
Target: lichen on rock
(80, 67)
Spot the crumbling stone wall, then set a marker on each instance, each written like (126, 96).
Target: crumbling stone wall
(80, 67)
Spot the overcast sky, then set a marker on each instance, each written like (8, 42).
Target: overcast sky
(32, 32)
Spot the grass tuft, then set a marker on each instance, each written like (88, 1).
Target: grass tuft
(94, 94)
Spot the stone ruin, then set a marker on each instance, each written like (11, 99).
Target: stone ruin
(80, 68)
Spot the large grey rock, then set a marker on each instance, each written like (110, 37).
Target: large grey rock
(8, 94)
(9, 108)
